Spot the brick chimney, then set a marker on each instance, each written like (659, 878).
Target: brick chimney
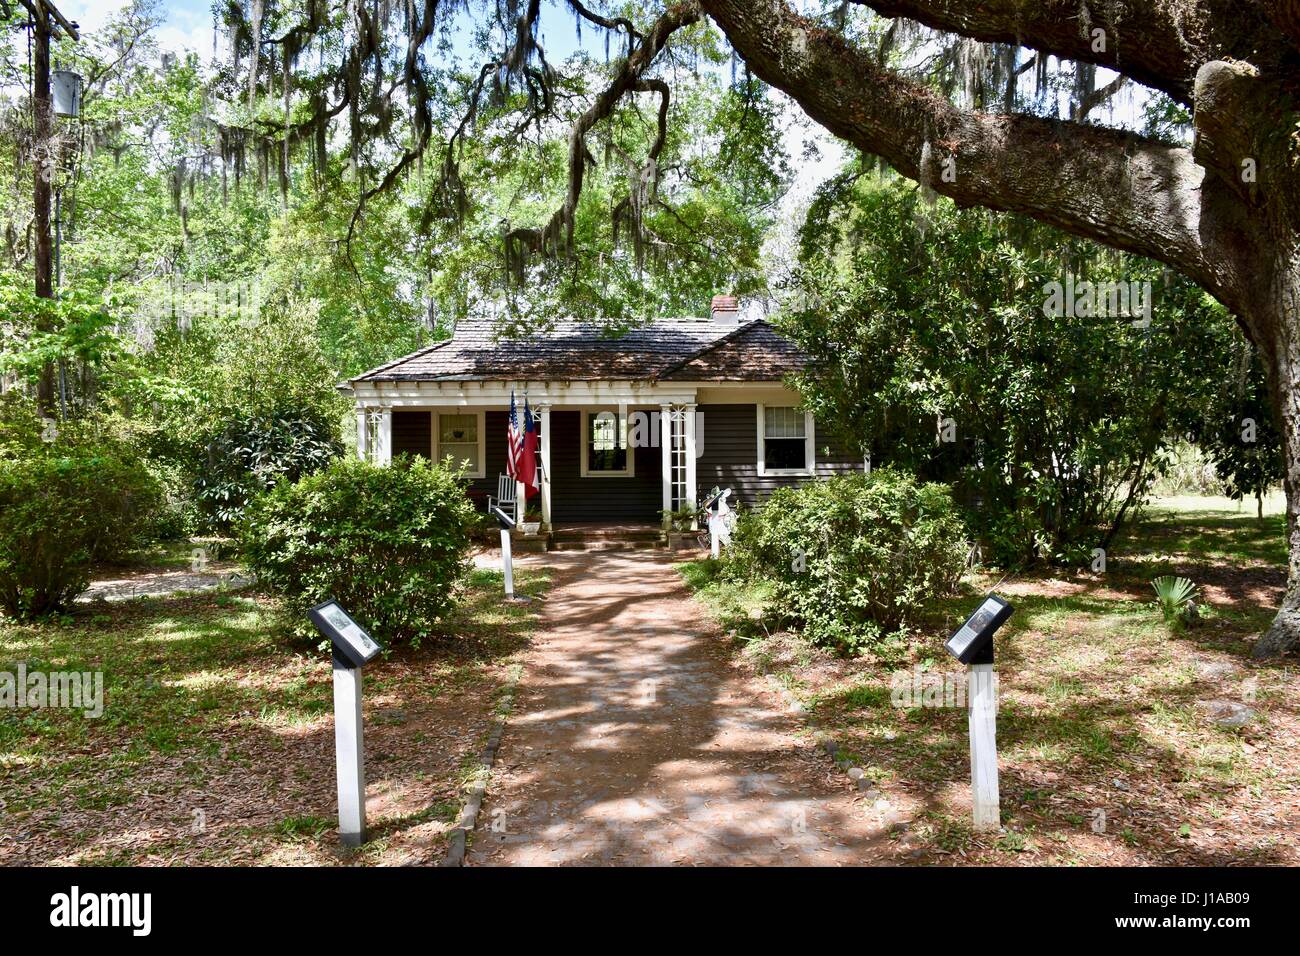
(726, 310)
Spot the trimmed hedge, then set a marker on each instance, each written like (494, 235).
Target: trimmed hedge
(61, 510)
(853, 558)
(390, 544)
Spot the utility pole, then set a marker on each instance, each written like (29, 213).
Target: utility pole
(47, 22)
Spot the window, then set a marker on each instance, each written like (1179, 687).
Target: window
(785, 441)
(461, 437)
(605, 446)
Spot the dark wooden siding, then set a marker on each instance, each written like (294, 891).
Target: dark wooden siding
(729, 457)
(832, 457)
(574, 498)
(412, 433)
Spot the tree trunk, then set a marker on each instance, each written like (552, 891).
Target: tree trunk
(42, 175)
(1278, 337)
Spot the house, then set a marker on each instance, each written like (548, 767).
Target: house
(630, 426)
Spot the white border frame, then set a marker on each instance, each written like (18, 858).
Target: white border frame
(630, 470)
(435, 436)
(809, 446)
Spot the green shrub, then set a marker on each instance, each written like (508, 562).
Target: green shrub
(251, 453)
(21, 426)
(390, 544)
(851, 559)
(178, 515)
(61, 509)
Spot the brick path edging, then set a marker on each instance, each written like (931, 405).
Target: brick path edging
(476, 790)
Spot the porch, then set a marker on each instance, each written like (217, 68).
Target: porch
(611, 459)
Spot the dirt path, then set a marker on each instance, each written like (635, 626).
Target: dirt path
(164, 583)
(635, 741)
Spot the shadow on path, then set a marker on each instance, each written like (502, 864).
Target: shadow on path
(634, 741)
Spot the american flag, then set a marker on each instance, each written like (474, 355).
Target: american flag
(514, 442)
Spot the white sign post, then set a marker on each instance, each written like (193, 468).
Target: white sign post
(353, 648)
(982, 718)
(507, 564)
(507, 560)
(349, 753)
(972, 644)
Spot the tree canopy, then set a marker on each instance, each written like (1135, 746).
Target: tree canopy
(437, 157)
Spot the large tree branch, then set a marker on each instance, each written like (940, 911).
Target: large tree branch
(1098, 96)
(609, 23)
(1161, 43)
(1118, 188)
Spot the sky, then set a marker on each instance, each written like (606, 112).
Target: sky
(188, 23)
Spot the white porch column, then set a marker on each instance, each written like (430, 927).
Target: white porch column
(689, 435)
(384, 439)
(545, 415)
(363, 432)
(666, 454)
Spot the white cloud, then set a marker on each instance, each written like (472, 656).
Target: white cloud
(89, 15)
(187, 24)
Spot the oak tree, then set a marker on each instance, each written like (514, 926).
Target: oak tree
(1222, 210)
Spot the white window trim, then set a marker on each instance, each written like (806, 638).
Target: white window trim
(435, 437)
(583, 471)
(809, 447)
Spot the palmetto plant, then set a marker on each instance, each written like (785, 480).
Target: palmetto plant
(1172, 594)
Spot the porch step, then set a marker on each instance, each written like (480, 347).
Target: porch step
(596, 545)
(605, 539)
(606, 534)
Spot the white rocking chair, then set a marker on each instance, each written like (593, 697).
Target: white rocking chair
(506, 496)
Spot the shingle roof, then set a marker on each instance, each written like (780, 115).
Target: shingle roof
(680, 349)
(754, 352)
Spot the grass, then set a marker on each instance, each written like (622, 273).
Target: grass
(1206, 530)
(216, 741)
(1106, 753)
(178, 555)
